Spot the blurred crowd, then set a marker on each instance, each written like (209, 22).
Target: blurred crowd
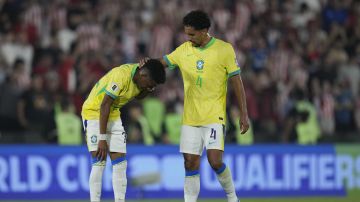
(300, 62)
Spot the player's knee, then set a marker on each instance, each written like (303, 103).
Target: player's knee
(191, 165)
(97, 162)
(215, 164)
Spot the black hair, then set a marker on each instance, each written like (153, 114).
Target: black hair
(156, 70)
(197, 19)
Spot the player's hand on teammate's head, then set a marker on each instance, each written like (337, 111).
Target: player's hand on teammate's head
(244, 124)
(102, 150)
(143, 61)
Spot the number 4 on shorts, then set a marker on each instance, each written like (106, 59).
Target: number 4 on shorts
(213, 133)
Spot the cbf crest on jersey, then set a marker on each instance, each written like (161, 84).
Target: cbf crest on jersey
(200, 64)
(93, 139)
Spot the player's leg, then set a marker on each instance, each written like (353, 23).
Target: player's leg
(117, 148)
(91, 128)
(214, 141)
(191, 145)
(95, 179)
(192, 177)
(223, 173)
(119, 165)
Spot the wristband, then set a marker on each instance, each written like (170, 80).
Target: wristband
(102, 136)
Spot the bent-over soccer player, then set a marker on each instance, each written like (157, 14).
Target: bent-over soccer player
(102, 123)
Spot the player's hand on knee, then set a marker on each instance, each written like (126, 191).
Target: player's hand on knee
(101, 152)
(143, 61)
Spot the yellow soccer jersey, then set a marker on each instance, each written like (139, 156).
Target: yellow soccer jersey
(118, 84)
(205, 72)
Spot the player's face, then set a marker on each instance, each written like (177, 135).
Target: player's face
(196, 37)
(145, 82)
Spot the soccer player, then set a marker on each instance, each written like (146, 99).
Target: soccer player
(102, 123)
(206, 64)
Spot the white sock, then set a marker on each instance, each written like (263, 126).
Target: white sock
(95, 180)
(119, 180)
(192, 186)
(225, 179)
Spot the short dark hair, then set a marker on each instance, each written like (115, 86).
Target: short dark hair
(156, 70)
(197, 19)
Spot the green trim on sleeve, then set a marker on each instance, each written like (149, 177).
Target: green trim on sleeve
(234, 73)
(101, 90)
(171, 66)
(111, 95)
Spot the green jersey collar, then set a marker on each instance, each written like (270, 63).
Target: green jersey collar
(210, 43)
(133, 71)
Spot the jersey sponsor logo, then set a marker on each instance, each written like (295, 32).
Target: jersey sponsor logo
(200, 64)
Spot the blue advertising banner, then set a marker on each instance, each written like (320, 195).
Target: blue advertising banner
(54, 172)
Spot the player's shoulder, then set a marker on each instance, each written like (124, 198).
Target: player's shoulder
(184, 46)
(124, 70)
(125, 67)
(223, 44)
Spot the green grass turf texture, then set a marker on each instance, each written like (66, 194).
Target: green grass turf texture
(305, 199)
(352, 196)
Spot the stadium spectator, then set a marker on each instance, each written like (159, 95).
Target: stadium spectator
(35, 110)
(137, 127)
(10, 92)
(68, 124)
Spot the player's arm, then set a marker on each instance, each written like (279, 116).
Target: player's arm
(233, 70)
(238, 87)
(105, 106)
(171, 60)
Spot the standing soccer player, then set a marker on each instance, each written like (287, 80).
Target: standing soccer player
(206, 64)
(102, 123)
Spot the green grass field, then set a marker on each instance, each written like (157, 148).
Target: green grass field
(312, 199)
(352, 196)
